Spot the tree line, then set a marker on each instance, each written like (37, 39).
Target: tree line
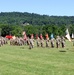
(30, 29)
(22, 18)
(15, 23)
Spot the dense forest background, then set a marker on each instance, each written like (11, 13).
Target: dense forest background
(15, 23)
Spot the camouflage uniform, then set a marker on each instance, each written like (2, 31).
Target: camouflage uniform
(58, 40)
(31, 42)
(52, 42)
(63, 42)
(41, 40)
(38, 41)
(47, 42)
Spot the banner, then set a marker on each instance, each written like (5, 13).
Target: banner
(52, 36)
(68, 35)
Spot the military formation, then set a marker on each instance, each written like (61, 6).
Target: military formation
(41, 42)
(38, 40)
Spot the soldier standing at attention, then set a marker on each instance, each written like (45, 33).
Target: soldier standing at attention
(25, 38)
(52, 41)
(31, 41)
(58, 41)
(63, 42)
(41, 40)
(37, 40)
(47, 40)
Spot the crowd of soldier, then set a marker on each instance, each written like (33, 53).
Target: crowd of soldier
(30, 41)
(40, 41)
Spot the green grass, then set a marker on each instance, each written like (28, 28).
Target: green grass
(19, 60)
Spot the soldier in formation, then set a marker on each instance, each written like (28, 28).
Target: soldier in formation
(41, 40)
(52, 42)
(31, 41)
(47, 40)
(58, 41)
(37, 40)
(63, 42)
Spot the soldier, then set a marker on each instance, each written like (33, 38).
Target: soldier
(31, 42)
(47, 40)
(38, 40)
(52, 42)
(63, 42)
(25, 38)
(58, 40)
(32, 36)
(41, 40)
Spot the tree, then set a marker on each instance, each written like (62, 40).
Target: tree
(6, 30)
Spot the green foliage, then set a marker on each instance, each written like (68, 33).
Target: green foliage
(6, 30)
(15, 23)
(19, 18)
(30, 29)
(17, 31)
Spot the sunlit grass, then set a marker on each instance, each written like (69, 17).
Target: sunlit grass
(19, 60)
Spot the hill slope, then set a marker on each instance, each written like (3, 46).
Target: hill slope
(19, 18)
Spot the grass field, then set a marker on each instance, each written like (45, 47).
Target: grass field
(19, 60)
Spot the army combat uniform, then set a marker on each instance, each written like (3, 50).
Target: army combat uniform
(47, 42)
(31, 43)
(52, 42)
(58, 41)
(41, 40)
(38, 42)
(63, 42)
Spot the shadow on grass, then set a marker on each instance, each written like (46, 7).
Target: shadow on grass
(22, 47)
(62, 50)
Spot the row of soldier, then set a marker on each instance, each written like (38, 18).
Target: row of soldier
(39, 41)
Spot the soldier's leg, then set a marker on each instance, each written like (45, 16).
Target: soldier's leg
(30, 45)
(62, 45)
(37, 44)
(53, 44)
(41, 45)
(57, 45)
(47, 45)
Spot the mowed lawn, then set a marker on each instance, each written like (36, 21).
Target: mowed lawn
(19, 60)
